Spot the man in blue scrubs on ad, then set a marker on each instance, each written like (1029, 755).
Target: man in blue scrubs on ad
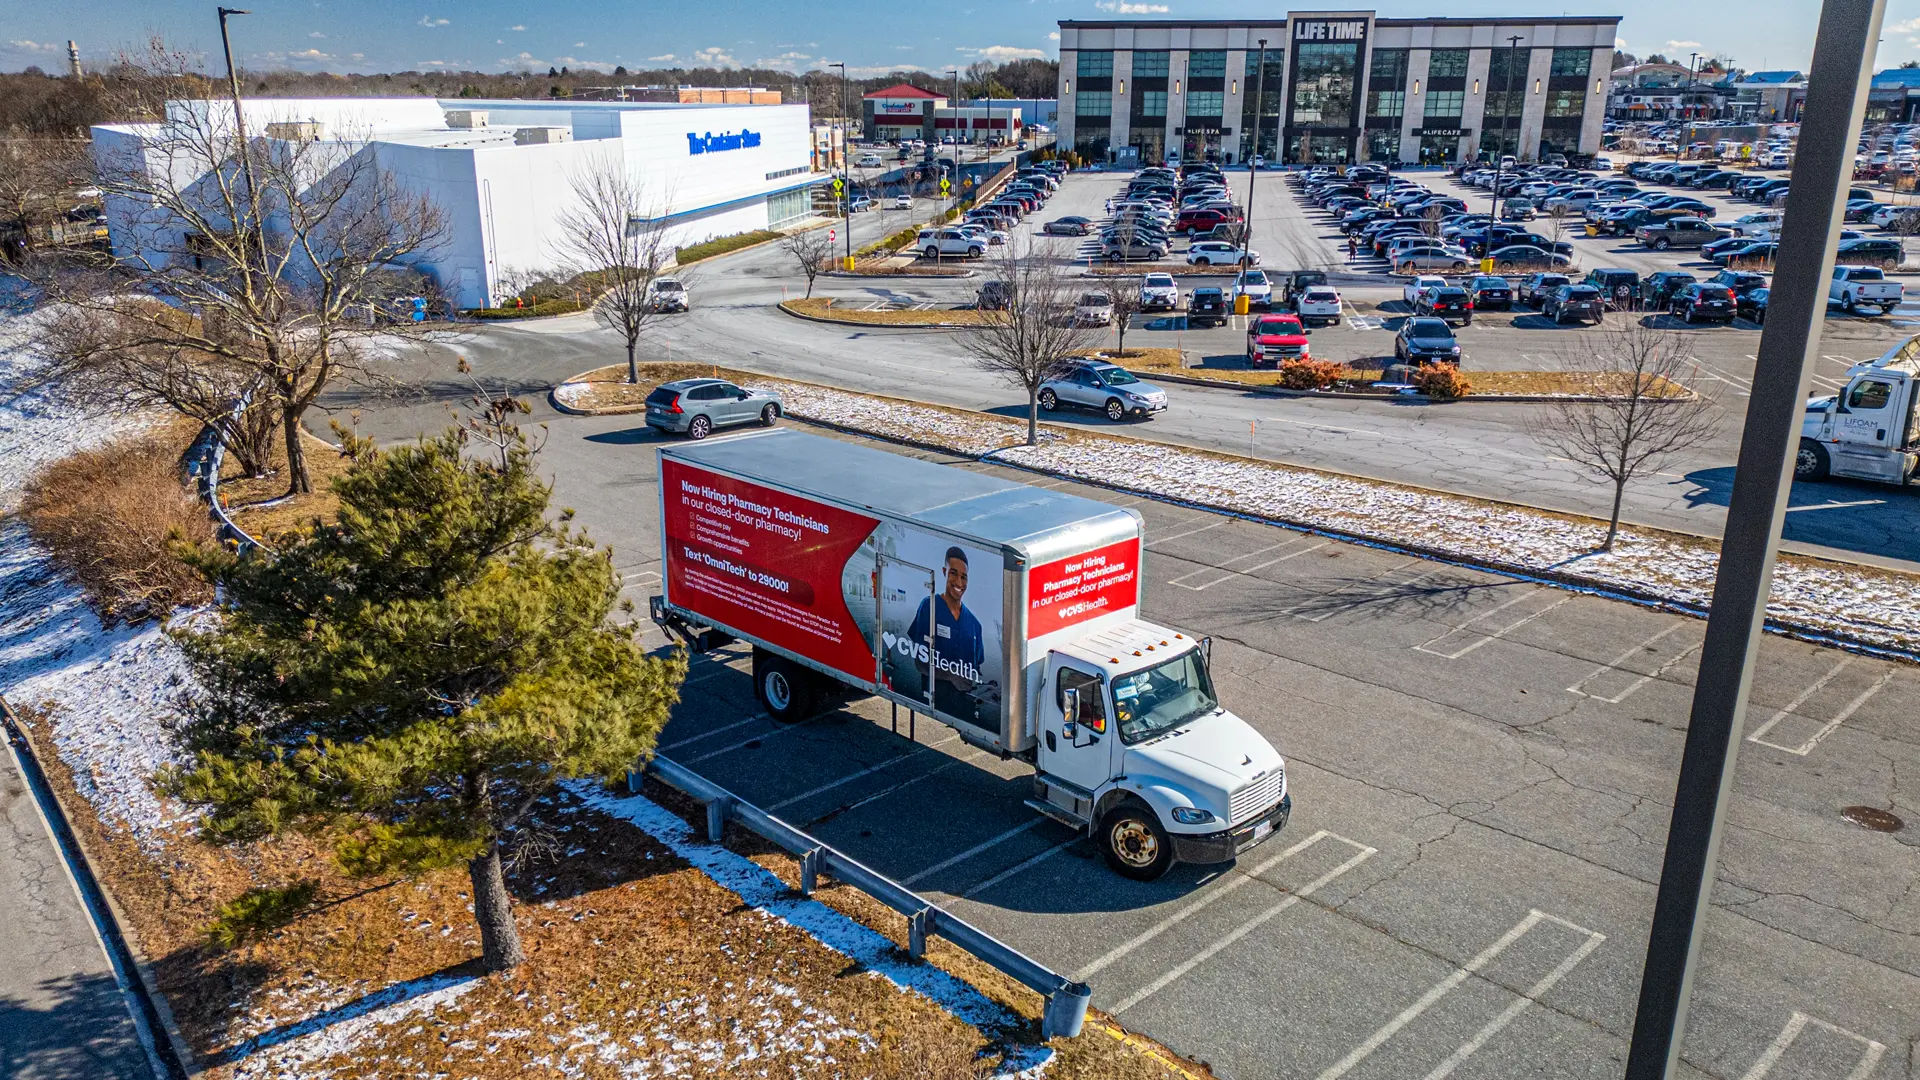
(958, 650)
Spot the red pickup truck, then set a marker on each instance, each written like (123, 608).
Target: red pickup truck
(1274, 338)
(1203, 219)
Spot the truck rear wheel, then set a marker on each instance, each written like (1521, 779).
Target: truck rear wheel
(785, 689)
(1134, 844)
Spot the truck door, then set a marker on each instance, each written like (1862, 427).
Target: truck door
(1870, 425)
(903, 666)
(1078, 748)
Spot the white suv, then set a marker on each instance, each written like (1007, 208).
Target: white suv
(1159, 293)
(1317, 304)
(934, 243)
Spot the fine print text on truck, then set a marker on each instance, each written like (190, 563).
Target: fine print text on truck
(1072, 590)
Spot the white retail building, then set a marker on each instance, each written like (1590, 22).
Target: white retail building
(500, 169)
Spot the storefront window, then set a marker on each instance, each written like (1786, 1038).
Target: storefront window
(786, 207)
(1388, 103)
(1446, 64)
(1267, 124)
(1150, 64)
(1445, 104)
(1319, 149)
(1439, 149)
(1092, 142)
(1151, 143)
(1383, 144)
(1207, 63)
(1323, 85)
(1572, 61)
(1565, 102)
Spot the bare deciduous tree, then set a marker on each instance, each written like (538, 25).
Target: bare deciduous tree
(1640, 415)
(809, 250)
(1031, 340)
(1124, 294)
(37, 177)
(616, 230)
(283, 260)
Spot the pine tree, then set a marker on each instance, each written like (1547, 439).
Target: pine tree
(409, 680)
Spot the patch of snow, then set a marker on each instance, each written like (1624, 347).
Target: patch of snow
(287, 1053)
(572, 394)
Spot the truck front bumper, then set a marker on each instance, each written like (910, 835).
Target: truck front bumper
(1225, 845)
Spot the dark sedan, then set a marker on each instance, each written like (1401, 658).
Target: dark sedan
(1491, 293)
(1752, 306)
(1520, 257)
(1422, 341)
(1703, 303)
(1068, 226)
(1661, 287)
(1576, 302)
(1448, 304)
(1534, 289)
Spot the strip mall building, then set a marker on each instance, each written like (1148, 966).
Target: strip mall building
(1334, 87)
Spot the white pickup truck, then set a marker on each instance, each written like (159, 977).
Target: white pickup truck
(1857, 287)
(1870, 430)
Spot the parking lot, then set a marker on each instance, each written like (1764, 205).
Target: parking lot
(1481, 769)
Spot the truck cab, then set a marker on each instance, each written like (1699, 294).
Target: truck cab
(1870, 430)
(1136, 749)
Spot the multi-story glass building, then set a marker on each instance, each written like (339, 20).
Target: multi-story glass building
(1333, 87)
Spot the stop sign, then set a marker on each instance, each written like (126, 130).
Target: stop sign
(831, 234)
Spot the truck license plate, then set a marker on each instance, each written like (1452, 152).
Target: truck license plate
(1262, 831)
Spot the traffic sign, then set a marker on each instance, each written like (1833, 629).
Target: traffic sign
(838, 185)
(831, 234)
(946, 185)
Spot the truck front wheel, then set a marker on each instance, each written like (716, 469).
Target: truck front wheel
(1811, 462)
(1134, 844)
(785, 689)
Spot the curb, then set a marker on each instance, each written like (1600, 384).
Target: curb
(173, 1056)
(873, 326)
(920, 277)
(1418, 399)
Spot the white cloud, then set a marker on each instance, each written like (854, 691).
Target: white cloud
(1678, 45)
(316, 34)
(713, 57)
(1621, 44)
(1000, 54)
(430, 22)
(904, 48)
(1910, 26)
(1055, 36)
(358, 56)
(1123, 7)
(664, 58)
(309, 54)
(517, 28)
(600, 66)
(35, 46)
(579, 44)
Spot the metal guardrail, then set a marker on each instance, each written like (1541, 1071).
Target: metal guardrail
(207, 469)
(1066, 1009)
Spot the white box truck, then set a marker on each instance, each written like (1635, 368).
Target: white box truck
(1870, 430)
(1008, 612)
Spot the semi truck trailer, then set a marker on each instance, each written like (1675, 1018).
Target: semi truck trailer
(1008, 612)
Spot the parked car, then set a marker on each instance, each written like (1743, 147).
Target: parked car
(1740, 281)
(1199, 221)
(1448, 303)
(1702, 302)
(1068, 226)
(1118, 247)
(1533, 289)
(1422, 341)
(1575, 302)
(1758, 255)
(1093, 309)
(1885, 254)
(699, 407)
(1107, 388)
(1491, 293)
(1317, 304)
(1207, 307)
(1274, 338)
(1294, 282)
(1410, 292)
(1219, 253)
(933, 243)
(668, 294)
(1853, 288)
(1252, 284)
(1519, 258)
(1618, 287)
(1752, 306)
(1159, 293)
(1678, 232)
(994, 296)
(1659, 289)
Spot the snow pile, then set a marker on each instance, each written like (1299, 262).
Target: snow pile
(1858, 603)
(287, 1052)
(573, 395)
(109, 688)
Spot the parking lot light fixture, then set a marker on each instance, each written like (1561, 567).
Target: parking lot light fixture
(1253, 172)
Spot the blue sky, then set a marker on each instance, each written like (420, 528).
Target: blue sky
(870, 36)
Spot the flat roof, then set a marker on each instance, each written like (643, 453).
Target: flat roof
(1438, 20)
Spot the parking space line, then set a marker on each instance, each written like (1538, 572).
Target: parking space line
(1189, 532)
(1257, 551)
(1614, 665)
(868, 771)
(1827, 728)
(742, 744)
(1019, 868)
(1450, 983)
(1356, 590)
(677, 743)
(1194, 908)
(1248, 572)
(1496, 635)
(1243, 929)
(1869, 1059)
(984, 845)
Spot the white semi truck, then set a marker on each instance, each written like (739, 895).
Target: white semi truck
(1008, 612)
(1870, 430)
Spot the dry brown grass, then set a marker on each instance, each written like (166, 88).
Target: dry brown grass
(1158, 359)
(822, 307)
(609, 391)
(259, 504)
(108, 516)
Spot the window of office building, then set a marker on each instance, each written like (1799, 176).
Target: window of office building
(1447, 64)
(1150, 103)
(1275, 93)
(1503, 103)
(1390, 103)
(1389, 68)
(1383, 144)
(1207, 63)
(1149, 143)
(1093, 103)
(1571, 62)
(1092, 143)
(1150, 64)
(1206, 103)
(1276, 64)
(1096, 65)
(1504, 64)
(1563, 103)
(1323, 85)
(1444, 104)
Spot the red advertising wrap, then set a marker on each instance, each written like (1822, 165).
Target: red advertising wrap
(765, 562)
(1073, 590)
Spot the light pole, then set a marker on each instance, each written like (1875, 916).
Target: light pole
(846, 178)
(240, 132)
(1500, 155)
(1253, 165)
(955, 110)
(1680, 143)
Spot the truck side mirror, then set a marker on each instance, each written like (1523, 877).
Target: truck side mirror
(1206, 650)
(1070, 708)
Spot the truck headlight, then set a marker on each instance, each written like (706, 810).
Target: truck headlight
(1192, 815)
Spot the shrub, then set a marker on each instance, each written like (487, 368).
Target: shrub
(1306, 373)
(1442, 382)
(545, 307)
(720, 245)
(108, 516)
(259, 911)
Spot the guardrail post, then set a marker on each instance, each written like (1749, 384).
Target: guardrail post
(633, 781)
(1066, 1011)
(810, 872)
(717, 820)
(917, 927)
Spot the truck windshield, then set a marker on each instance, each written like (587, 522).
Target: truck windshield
(1159, 699)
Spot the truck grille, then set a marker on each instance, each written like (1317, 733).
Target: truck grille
(1257, 796)
(1282, 352)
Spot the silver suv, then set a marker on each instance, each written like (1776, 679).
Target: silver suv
(695, 407)
(1108, 388)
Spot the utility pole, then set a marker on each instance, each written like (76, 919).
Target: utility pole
(1500, 155)
(1837, 86)
(1686, 113)
(846, 178)
(240, 132)
(1253, 163)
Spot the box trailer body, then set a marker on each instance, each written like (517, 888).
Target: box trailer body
(1008, 612)
(1870, 430)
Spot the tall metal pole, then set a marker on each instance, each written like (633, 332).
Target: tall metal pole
(1837, 87)
(240, 131)
(1253, 163)
(846, 177)
(1500, 155)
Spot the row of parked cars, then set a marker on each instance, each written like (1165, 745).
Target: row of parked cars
(1413, 228)
(1161, 204)
(989, 224)
(1753, 239)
